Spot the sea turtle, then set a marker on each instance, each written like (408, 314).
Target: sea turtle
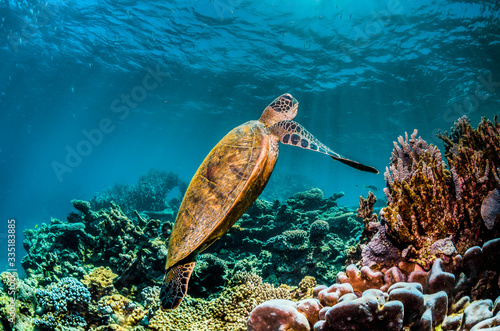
(228, 181)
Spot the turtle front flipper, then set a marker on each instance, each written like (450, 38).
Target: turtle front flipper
(175, 287)
(292, 133)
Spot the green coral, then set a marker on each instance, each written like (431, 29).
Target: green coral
(107, 238)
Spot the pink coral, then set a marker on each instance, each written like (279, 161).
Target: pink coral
(277, 314)
(361, 280)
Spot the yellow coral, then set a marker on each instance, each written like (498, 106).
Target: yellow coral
(228, 311)
(100, 281)
(126, 313)
(306, 287)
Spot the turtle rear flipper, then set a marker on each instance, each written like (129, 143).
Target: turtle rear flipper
(292, 133)
(175, 287)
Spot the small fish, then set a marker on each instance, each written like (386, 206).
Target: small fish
(36, 225)
(371, 187)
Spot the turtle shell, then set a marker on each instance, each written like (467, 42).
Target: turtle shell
(228, 181)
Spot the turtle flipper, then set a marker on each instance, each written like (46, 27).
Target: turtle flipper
(175, 287)
(292, 133)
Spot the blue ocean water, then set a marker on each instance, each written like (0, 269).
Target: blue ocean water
(94, 93)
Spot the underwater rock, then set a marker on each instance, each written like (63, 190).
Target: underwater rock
(277, 315)
(490, 209)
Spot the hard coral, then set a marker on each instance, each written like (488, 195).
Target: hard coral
(100, 282)
(121, 310)
(361, 280)
(428, 203)
(421, 208)
(148, 195)
(228, 310)
(62, 302)
(369, 312)
(277, 314)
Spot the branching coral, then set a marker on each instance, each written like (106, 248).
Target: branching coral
(474, 159)
(427, 202)
(421, 207)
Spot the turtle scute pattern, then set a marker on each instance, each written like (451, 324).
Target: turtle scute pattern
(216, 191)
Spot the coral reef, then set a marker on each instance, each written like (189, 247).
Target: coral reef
(433, 207)
(315, 233)
(228, 310)
(149, 195)
(105, 238)
(64, 302)
(100, 282)
(404, 297)
(427, 261)
(277, 315)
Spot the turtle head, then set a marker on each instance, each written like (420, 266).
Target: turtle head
(283, 108)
